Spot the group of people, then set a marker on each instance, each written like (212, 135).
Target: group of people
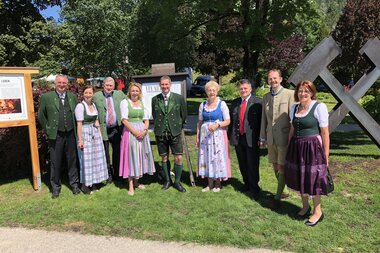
(291, 124)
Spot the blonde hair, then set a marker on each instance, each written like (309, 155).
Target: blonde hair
(210, 84)
(134, 84)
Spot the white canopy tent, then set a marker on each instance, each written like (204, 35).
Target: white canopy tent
(51, 78)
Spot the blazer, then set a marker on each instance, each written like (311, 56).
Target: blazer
(101, 105)
(48, 113)
(252, 120)
(176, 114)
(275, 121)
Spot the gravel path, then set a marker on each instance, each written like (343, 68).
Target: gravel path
(15, 240)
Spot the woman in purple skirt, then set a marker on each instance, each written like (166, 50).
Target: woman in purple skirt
(308, 150)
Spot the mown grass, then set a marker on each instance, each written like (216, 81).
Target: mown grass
(227, 218)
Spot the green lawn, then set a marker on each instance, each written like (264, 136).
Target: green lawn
(226, 218)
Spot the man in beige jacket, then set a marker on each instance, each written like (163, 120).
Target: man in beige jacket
(275, 126)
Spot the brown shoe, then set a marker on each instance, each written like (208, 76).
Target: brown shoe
(285, 195)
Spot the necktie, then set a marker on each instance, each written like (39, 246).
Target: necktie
(62, 97)
(110, 112)
(241, 116)
(166, 100)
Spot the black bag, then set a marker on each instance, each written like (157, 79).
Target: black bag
(330, 182)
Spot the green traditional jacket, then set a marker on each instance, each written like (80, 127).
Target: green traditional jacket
(175, 114)
(101, 105)
(48, 113)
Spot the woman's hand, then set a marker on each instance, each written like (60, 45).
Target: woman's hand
(139, 134)
(212, 127)
(80, 145)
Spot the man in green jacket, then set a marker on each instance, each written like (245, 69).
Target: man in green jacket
(108, 105)
(56, 116)
(169, 113)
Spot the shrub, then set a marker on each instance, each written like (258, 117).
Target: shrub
(372, 105)
(261, 91)
(15, 148)
(228, 92)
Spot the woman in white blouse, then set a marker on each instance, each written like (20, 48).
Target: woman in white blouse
(212, 141)
(136, 158)
(308, 150)
(93, 165)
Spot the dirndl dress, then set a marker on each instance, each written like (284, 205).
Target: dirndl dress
(136, 157)
(306, 163)
(213, 154)
(92, 159)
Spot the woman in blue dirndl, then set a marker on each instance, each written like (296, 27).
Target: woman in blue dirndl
(213, 155)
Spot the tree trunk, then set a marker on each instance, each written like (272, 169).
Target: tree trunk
(251, 45)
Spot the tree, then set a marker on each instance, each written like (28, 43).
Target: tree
(22, 29)
(18, 45)
(224, 35)
(61, 45)
(284, 54)
(360, 21)
(158, 34)
(100, 31)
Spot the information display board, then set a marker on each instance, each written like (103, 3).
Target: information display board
(17, 109)
(12, 98)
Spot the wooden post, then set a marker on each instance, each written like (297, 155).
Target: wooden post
(25, 74)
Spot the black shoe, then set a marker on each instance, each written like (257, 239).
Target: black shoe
(109, 180)
(94, 188)
(166, 185)
(179, 187)
(255, 197)
(55, 195)
(312, 224)
(305, 215)
(276, 204)
(244, 188)
(75, 190)
(85, 189)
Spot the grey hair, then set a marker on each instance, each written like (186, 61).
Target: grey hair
(108, 79)
(244, 81)
(166, 78)
(61, 75)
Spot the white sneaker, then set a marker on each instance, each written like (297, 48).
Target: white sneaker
(206, 189)
(141, 187)
(216, 190)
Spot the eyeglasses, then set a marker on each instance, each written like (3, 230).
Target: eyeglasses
(304, 91)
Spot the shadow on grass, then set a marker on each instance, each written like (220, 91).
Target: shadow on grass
(266, 199)
(26, 173)
(357, 155)
(341, 140)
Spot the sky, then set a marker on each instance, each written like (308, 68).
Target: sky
(51, 12)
